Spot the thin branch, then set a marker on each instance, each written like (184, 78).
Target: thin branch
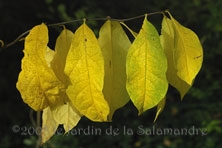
(17, 39)
(63, 23)
(31, 118)
(78, 20)
(38, 123)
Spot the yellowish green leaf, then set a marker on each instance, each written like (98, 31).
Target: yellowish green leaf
(167, 41)
(188, 53)
(160, 107)
(37, 83)
(67, 115)
(85, 68)
(114, 44)
(49, 125)
(146, 67)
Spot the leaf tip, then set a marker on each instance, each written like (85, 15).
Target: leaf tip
(140, 111)
(1, 43)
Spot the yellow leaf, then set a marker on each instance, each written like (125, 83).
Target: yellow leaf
(114, 44)
(160, 107)
(67, 115)
(146, 67)
(37, 83)
(188, 53)
(167, 41)
(62, 47)
(49, 125)
(85, 68)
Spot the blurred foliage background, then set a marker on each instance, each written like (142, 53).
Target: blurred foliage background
(201, 107)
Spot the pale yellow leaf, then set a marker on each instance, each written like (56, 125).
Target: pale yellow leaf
(64, 114)
(67, 115)
(85, 69)
(130, 30)
(49, 125)
(188, 53)
(114, 44)
(62, 47)
(146, 67)
(167, 41)
(49, 55)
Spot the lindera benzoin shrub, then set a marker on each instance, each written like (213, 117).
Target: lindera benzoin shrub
(86, 76)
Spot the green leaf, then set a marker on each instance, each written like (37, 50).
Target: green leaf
(114, 44)
(146, 67)
(167, 41)
(85, 69)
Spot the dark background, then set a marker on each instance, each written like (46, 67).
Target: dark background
(201, 107)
